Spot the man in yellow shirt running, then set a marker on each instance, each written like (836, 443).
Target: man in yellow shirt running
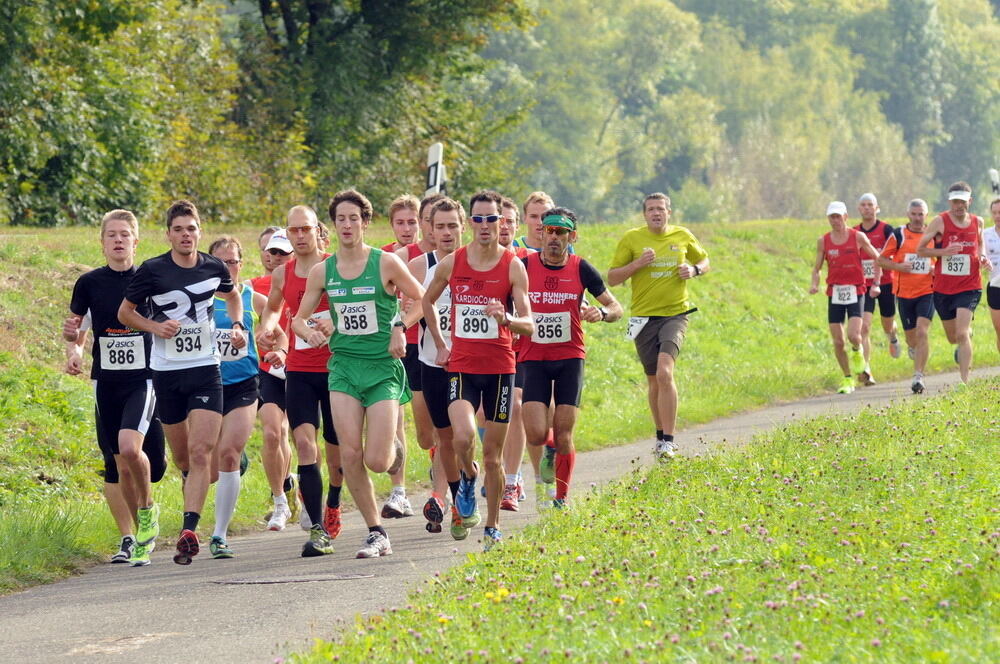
(659, 258)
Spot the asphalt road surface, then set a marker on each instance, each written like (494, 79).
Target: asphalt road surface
(268, 601)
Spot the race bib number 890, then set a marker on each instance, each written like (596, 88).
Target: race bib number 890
(471, 322)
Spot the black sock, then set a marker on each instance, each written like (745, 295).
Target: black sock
(377, 529)
(311, 485)
(191, 521)
(669, 437)
(184, 474)
(454, 490)
(659, 434)
(288, 485)
(333, 497)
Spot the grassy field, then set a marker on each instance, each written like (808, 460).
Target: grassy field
(870, 538)
(758, 338)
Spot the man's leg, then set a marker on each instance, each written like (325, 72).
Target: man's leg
(493, 443)
(866, 331)
(839, 348)
(203, 432)
(963, 321)
(564, 423)
(666, 392)
(922, 346)
(119, 508)
(513, 452)
(276, 453)
(237, 425)
(995, 316)
(135, 461)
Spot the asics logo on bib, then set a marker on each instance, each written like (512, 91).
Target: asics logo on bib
(348, 309)
(193, 302)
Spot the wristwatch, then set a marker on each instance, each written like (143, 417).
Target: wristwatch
(697, 270)
(399, 323)
(236, 322)
(604, 314)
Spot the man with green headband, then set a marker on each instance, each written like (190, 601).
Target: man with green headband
(553, 356)
(659, 258)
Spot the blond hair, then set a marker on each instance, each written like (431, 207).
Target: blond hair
(121, 215)
(406, 201)
(538, 197)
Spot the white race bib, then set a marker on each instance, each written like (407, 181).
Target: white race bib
(956, 266)
(444, 320)
(357, 318)
(868, 266)
(224, 342)
(920, 264)
(551, 328)
(471, 322)
(635, 325)
(191, 342)
(125, 353)
(845, 294)
(302, 344)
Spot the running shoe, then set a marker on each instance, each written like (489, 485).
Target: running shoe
(491, 537)
(319, 543)
(857, 361)
(305, 521)
(866, 378)
(918, 384)
(547, 466)
(520, 488)
(219, 549)
(399, 458)
(894, 350)
(397, 506)
(149, 524)
(244, 463)
(665, 449)
(434, 513)
(187, 547)
(376, 545)
(279, 517)
(140, 555)
(292, 498)
(458, 531)
(331, 521)
(466, 498)
(846, 385)
(125, 550)
(559, 503)
(509, 500)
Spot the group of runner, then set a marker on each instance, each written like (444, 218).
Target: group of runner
(918, 268)
(485, 338)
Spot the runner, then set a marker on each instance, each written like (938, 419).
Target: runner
(659, 258)
(958, 244)
(483, 278)
(276, 453)
(991, 241)
(842, 249)
(178, 287)
(128, 434)
(367, 381)
(553, 357)
(306, 380)
(878, 233)
(240, 392)
(913, 287)
(535, 206)
(448, 223)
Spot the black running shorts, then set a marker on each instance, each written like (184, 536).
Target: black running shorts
(837, 313)
(435, 383)
(238, 395)
(128, 405)
(307, 401)
(272, 390)
(180, 391)
(411, 362)
(948, 304)
(912, 308)
(494, 392)
(886, 303)
(544, 379)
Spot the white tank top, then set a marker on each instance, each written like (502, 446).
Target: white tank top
(991, 242)
(427, 349)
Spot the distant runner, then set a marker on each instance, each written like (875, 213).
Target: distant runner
(991, 242)
(878, 284)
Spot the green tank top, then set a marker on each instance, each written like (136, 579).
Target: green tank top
(361, 309)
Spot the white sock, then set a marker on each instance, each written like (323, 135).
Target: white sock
(280, 499)
(511, 479)
(227, 492)
(399, 490)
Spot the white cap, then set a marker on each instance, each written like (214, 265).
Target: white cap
(959, 195)
(279, 240)
(868, 197)
(836, 207)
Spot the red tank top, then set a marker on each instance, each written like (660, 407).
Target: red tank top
(478, 344)
(301, 356)
(520, 252)
(878, 235)
(843, 263)
(958, 273)
(412, 251)
(556, 297)
(262, 285)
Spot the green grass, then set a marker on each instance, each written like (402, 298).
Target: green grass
(869, 538)
(757, 339)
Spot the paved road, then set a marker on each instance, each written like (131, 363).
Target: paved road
(269, 601)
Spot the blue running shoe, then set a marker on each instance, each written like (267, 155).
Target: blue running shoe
(491, 537)
(465, 500)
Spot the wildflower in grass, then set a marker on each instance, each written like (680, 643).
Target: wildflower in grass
(617, 600)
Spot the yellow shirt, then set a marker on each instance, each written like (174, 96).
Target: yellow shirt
(656, 288)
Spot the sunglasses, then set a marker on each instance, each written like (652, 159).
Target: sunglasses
(488, 218)
(232, 262)
(278, 252)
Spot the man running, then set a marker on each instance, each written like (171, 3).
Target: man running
(367, 381)
(483, 278)
(958, 238)
(179, 287)
(306, 397)
(843, 250)
(991, 243)
(913, 287)
(128, 433)
(659, 258)
(878, 284)
(553, 356)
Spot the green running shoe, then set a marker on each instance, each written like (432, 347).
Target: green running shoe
(846, 385)
(319, 543)
(857, 361)
(472, 520)
(458, 530)
(219, 549)
(547, 466)
(149, 524)
(140, 555)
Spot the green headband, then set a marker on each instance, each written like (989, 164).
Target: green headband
(560, 221)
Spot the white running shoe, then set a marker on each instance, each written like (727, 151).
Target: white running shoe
(375, 545)
(125, 549)
(397, 506)
(894, 349)
(665, 449)
(279, 517)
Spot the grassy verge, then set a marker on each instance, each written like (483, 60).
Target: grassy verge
(870, 538)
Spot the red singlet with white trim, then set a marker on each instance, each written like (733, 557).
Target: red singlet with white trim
(555, 296)
(300, 356)
(843, 263)
(478, 344)
(958, 273)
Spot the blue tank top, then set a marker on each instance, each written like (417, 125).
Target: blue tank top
(237, 365)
